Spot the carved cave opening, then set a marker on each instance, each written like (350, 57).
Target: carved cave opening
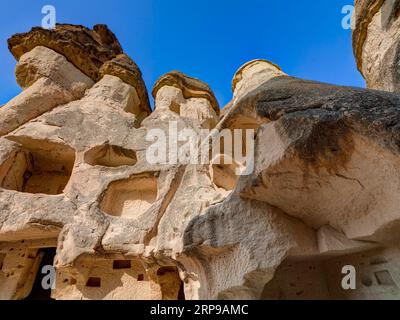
(172, 287)
(376, 278)
(38, 292)
(34, 169)
(119, 279)
(110, 156)
(130, 198)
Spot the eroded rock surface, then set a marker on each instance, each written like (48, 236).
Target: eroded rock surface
(376, 43)
(78, 192)
(87, 49)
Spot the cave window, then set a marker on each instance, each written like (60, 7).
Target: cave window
(130, 198)
(140, 277)
(94, 282)
(110, 156)
(121, 264)
(39, 169)
(2, 257)
(384, 278)
(169, 278)
(38, 292)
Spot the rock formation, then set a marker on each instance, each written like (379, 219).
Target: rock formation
(376, 43)
(77, 190)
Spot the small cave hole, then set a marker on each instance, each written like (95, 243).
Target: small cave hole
(172, 287)
(384, 278)
(47, 259)
(140, 277)
(121, 264)
(2, 257)
(110, 156)
(366, 281)
(130, 198)
(39, 167)
(93, 282)
(224, 173)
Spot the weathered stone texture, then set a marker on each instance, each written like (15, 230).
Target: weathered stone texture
(376, 43)
(78, 192)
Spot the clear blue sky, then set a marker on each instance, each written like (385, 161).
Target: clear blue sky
(207, 39)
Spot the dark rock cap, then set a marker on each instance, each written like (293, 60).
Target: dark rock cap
(128, 71)
(87, 49)
(238, 75)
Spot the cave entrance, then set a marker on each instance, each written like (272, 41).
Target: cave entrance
(39, 167)
(130, 198)
(172, 286)
(38, 293)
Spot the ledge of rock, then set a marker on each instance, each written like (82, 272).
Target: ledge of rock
(191, 87)
(127, 70)
(87, 49)
(364, 12)
(376, 43)
(78, 190)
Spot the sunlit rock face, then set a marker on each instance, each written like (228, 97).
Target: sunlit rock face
(376, 42)
(79, 193)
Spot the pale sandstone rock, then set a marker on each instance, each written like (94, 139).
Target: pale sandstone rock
(123, 67)
(115, 93)
(333, 243)
(18, 273)
(315, 131)
(246, 80)
(42, 62)
(49, 80)
(376, 43)
(222, 242)
(87, 49)
(190, 87)
(74, 178)
(252, 74)
(170, 98)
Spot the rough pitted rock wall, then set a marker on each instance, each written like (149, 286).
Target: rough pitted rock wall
(74, 177)
(87, 49)
(190, 87)
(376, 43)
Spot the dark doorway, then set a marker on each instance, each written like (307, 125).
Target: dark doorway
(38, 293)
(181, 294)
(172, 286)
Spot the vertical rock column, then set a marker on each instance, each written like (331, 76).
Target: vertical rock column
(376, 43)
(48, 80)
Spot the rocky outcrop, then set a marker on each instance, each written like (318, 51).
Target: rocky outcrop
(48, 80)
(178, 94)
(86, 49)
(57, 66)
(376, 43)
(127, 70)
(80, 190)
(315, 130)
(190, 87)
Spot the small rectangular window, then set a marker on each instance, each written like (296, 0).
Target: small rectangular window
(122, 264)
(94, 282)
(140, 277)
(2, 257)
(384, 278)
